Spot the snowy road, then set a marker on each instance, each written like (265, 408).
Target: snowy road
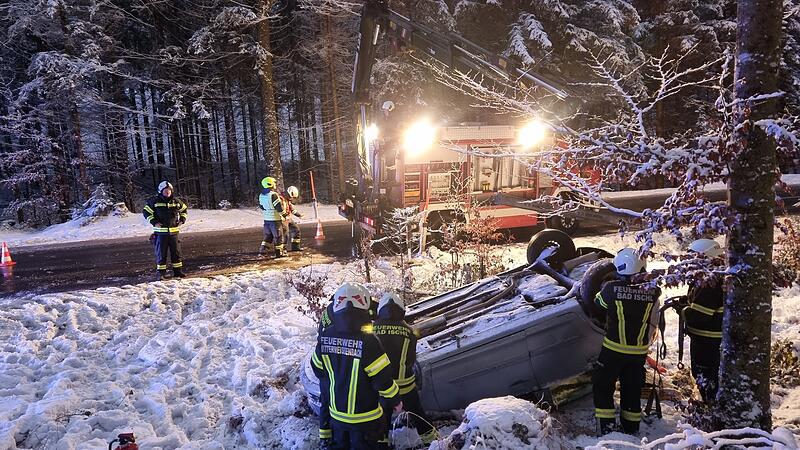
(83, 265)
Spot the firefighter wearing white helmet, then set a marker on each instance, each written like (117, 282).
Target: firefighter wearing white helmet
(703, 323)
(630, 321)
(271, 203)
(355, 372)
(291, 229)
(166, 214)
(400, 342)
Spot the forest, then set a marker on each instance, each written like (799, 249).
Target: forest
(213, 95)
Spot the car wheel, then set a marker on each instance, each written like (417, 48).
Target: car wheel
(560, 242)
(592, 281)
(566, 224)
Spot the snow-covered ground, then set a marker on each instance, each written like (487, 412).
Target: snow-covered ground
(133, 224)
(212, 363)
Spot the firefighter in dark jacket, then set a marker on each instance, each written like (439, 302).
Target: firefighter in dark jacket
(631, 319)
(355, 371)
(292, 230)
(166, 213)
(272, 206)
(325, 434)
(400, 342)
(703, 319)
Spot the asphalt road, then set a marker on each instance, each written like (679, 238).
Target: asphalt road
(82, 265)
(117, 262)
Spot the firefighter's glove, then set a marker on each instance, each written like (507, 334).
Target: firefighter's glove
(298, 214)
(398, 408)
(152, 238)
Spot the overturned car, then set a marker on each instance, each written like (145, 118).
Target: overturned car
(523, 331)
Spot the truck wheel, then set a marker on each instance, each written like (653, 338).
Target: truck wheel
(566, 224)
(564, 247)
(592, 281)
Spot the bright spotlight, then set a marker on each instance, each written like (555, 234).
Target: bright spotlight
(419, 137)
(531, 134)
(371, 132)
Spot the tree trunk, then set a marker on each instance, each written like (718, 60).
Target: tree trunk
(272, 151)
(744, 396)
(335, 98)
(233, 151)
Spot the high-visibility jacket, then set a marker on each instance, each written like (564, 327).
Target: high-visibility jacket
(400, 343)
(271, 204)
(353, 368)
(170, 213)
(631, 318)
(703, 316)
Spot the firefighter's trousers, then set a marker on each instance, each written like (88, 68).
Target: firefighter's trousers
(629, 370)
(273, 234)
(360, 438)
(164, 243)
(292, 233)
(705, 365)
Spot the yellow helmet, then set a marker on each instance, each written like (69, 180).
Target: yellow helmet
(268, 183)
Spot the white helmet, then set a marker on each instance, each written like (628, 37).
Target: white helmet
(163, 185)
(293, 192)
(707, 247)
(390, 297)
(628, 262)
(353, 294)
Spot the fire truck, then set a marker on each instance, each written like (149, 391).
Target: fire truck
(430, 163)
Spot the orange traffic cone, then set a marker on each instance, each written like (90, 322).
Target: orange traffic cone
(6, 260)
(320, 233)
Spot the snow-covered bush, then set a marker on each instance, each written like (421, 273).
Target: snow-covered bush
(785, 364)
(503, 423)
(225, 205)
(100, 204)
(787, 254)
(692, 438)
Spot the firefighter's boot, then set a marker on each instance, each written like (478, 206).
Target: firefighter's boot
(178, 273)
(262, 249)
(161, 274)
(280, 252)
(605, 426)
(295, 245)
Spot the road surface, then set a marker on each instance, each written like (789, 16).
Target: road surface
(115, 262)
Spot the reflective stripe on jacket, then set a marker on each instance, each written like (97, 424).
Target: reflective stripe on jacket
(400, 343)
(272, 205)
(354, 370)
(631, 318)
(170, 213)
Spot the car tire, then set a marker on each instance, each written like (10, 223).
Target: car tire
(549, 238)
(566, 224)
(592, 281)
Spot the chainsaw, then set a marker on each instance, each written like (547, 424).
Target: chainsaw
(125, 441)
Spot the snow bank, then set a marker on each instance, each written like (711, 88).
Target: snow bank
(503, 423)
(133, 225)
(191, 364)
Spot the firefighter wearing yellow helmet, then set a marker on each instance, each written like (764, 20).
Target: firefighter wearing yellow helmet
(273, 208)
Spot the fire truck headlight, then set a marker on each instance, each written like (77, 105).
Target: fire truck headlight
(371, 132)
(531, 134)
(419, 137)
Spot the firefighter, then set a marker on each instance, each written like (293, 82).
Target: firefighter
(166, 213)
(325, 434)
(400, 342)
(292, 230)
(272, 205)
(355, 372)
(630, 322)
(703, 319)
